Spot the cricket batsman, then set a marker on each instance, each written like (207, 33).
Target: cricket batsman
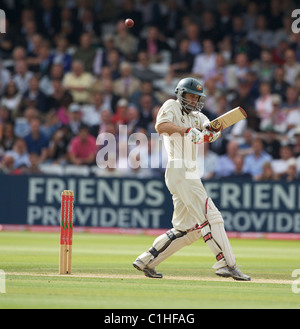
(183, 127)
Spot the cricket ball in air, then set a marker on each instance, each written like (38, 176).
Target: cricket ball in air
(129, 22)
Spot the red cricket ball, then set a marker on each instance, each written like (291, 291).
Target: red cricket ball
(129, 22)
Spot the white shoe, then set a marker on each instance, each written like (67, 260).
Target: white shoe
(149, 272)
(233, 272)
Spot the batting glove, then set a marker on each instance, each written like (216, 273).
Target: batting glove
(195, 135)
(210, 136)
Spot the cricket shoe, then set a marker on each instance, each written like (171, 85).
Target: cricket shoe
(233, 272)
(149, 272)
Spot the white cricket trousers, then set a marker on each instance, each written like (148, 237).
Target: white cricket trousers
(188, 194)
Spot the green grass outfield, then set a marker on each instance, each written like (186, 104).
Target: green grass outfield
(103, 276)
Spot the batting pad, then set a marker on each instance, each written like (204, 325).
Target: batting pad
(166, 245)
(219, 241)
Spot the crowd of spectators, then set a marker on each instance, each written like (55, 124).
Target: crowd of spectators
(70, 70)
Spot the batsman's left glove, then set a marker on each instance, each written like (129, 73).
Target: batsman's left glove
(210, 135)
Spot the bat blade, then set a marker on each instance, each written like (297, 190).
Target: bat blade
(228, 119)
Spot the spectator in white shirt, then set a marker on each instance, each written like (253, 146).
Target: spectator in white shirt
(19, 153)
(264, 105)
(11, 98)
(4, 78)
(293, 118)
(280, 166)
(291, 66)
(22, 76)
(237, 72)
(205, 62)
(91, 113)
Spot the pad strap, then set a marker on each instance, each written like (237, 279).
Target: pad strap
(172, 236)
(220, 256)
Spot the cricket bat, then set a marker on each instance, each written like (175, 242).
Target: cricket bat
(228, 119)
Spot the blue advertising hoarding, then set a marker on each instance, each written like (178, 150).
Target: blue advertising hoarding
(246, 206)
